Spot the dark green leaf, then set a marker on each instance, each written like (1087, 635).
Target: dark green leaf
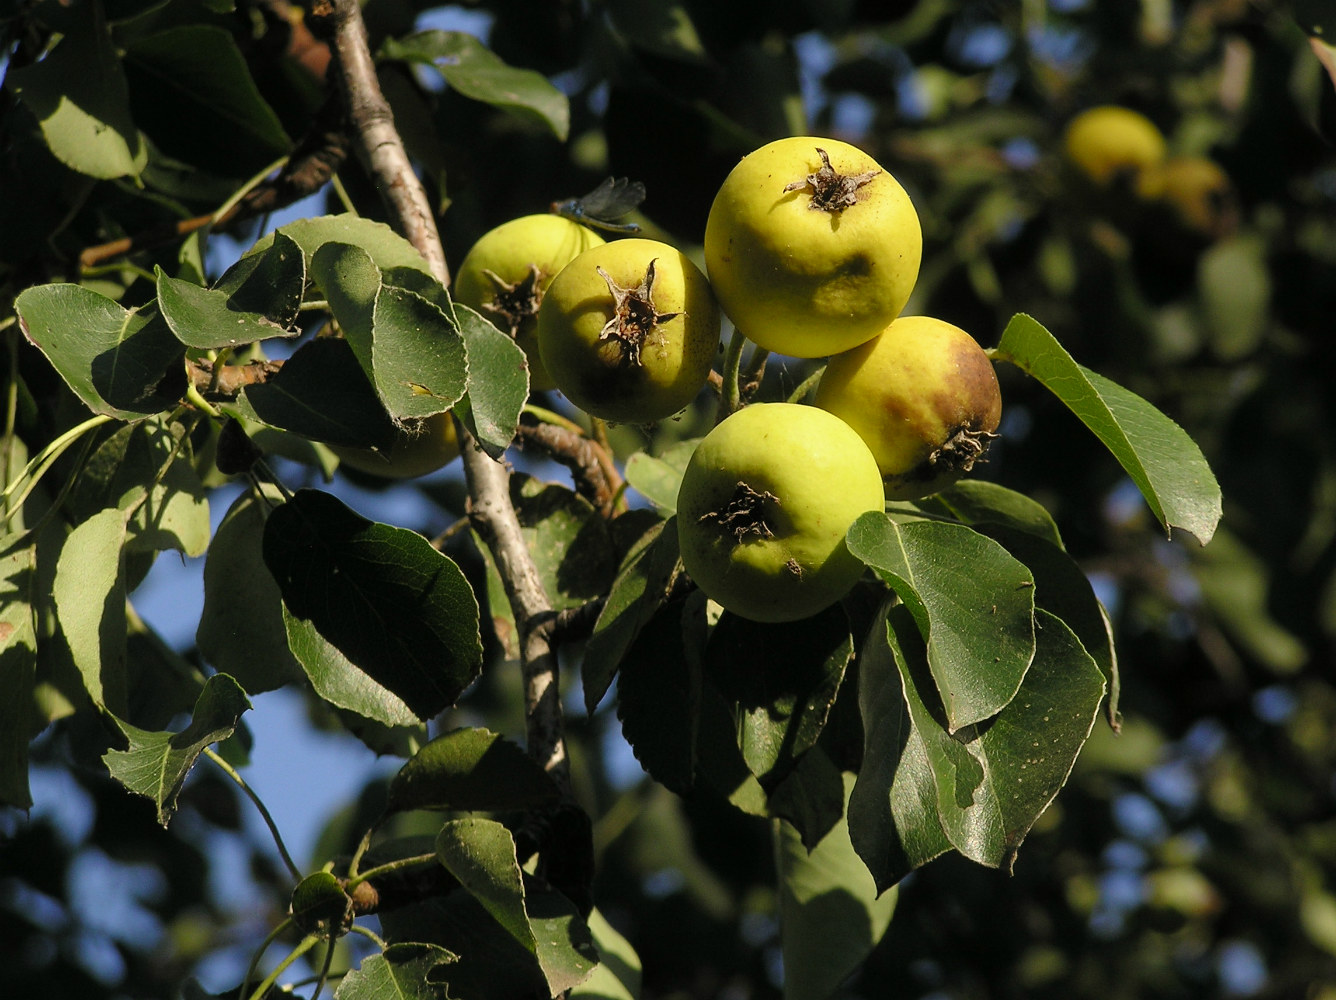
(973, 601)
(498, 382)
(658, 479)
(567, 539)
(120, 363)
(18, 664)
(269, 282)
(78, 95)
(407, 346)
(1317, 18)
(192, 92)
(321, 393)
(241, 629)
(780, 681)
(977, 502)
(480, 853)
(401, 613)
(477, 72)
(831, 915)
(664, 29)
(993, 780)
(892, 810)
(318, 900)
(89, 594)
(1062, 589)
(403, 971)
(810, 798)
(1166, 465)
(470, 769)
(207, 318)
(156, 764)
(639, 590)
(658, 692)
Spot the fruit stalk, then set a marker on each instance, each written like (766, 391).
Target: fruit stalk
(490, 509)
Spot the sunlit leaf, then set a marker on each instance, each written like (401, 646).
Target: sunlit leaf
(409, 349)
(973, 602)
(403, 971)
(498, 382)
(476, 72)
(659, 478)
(1166, 464)
(79, 97)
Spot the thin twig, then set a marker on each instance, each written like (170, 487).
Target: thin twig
(490, 509)
(231, 772)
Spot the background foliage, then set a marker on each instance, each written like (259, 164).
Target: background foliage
(1192, 855)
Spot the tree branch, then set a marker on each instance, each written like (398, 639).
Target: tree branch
(490, 509)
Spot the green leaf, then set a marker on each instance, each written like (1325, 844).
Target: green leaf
(993, 780)
(120, 363)
(640, 588)
(387, 248)
(480, 853)
(1062, 588)
(617, 976)
(89, 593)
(659, 479)
(241, 630)
(156, 764)
(810, 797)
(1166, 464)
(407, 346)
(317, 900)
(476, 72)
(979, 502)
(780, 681)
(972, 600)
(659, 692)
(567, 539)
(18, 665)
(193, 94)
(403, 971)
(321, 393)
(79, 97)
(664, 29)
(830, 913)
(270, 282)
(470, 769)
(401, 614)
(498, 382)
(892, 810)
(207, 318)
(173, 514)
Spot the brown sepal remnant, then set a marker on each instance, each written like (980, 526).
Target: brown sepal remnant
(634, 316)
(961, 451)
(831, 190)
(515, 301)
(744, 514)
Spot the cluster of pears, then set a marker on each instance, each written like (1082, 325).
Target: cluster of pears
(812, 250)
